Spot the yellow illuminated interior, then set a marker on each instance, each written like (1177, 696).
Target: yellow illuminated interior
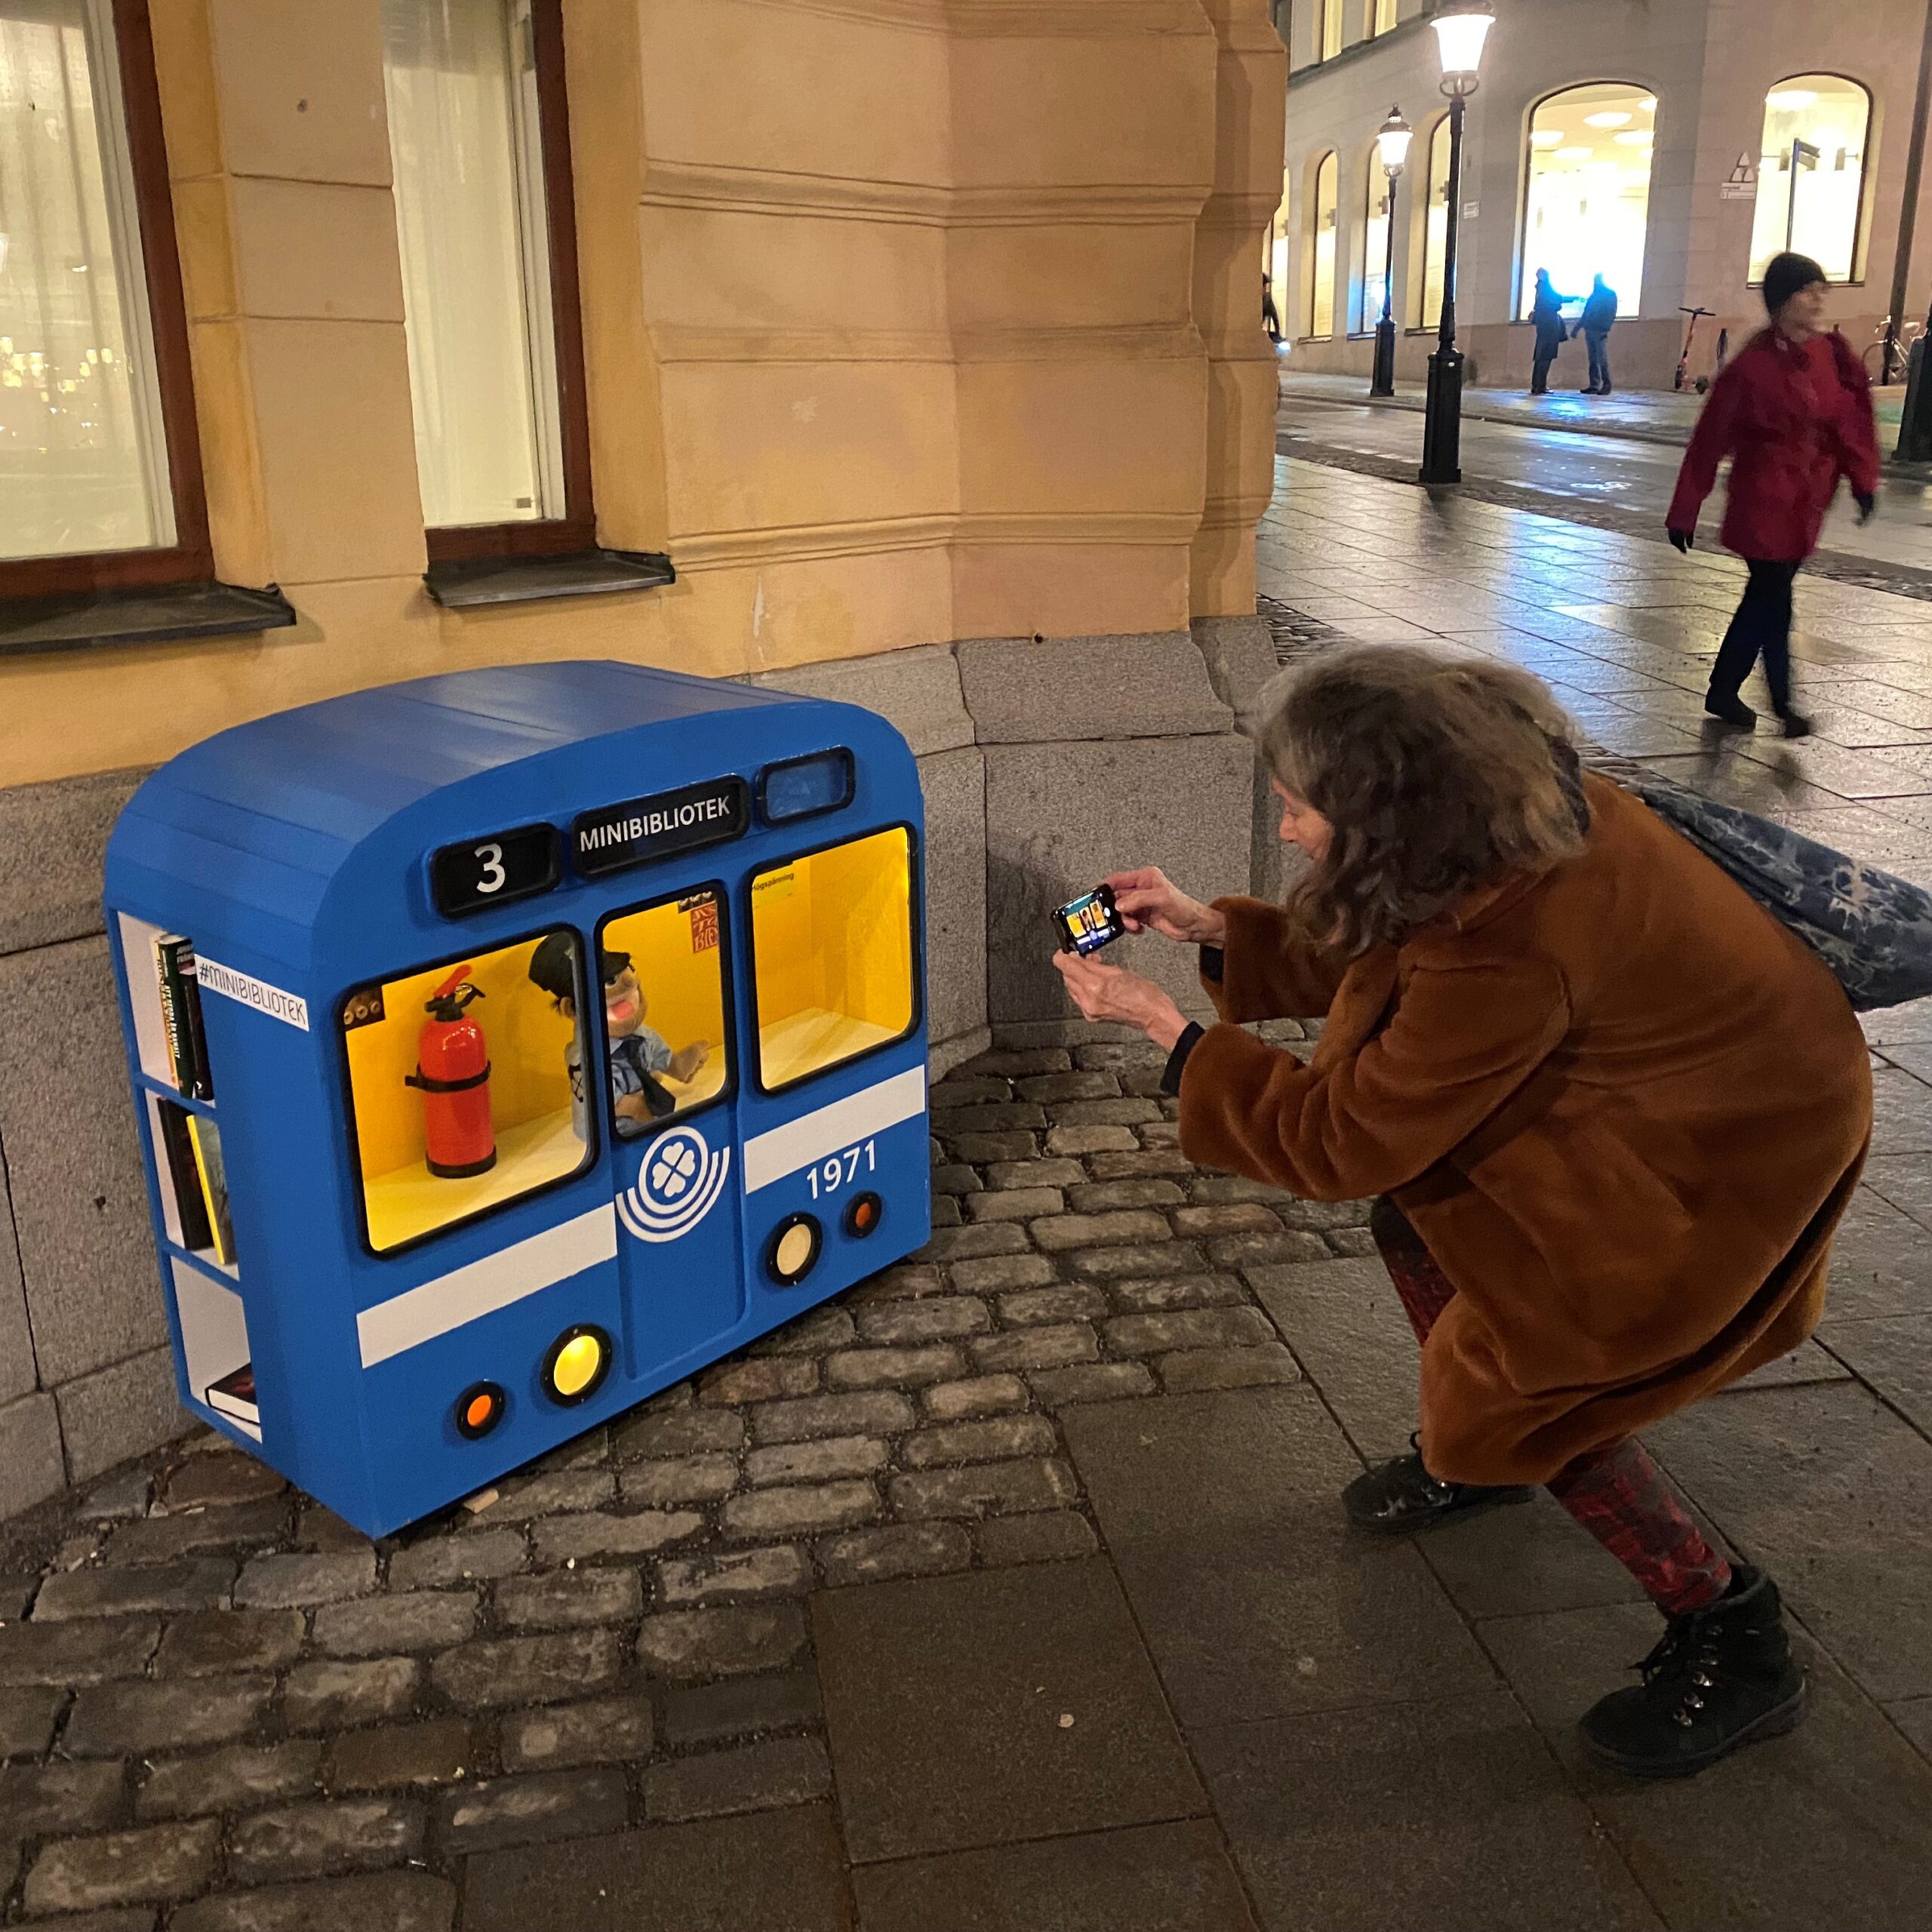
(537, 1141)
(677, 950)
(832, 947)
(577, 1365)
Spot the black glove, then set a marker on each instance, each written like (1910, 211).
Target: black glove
(1682, 539)
(1866, 505)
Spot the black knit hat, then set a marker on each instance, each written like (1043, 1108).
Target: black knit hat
(1786, 276)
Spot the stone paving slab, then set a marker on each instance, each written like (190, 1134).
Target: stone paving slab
(1832, 1493)
(1257, 1599)
(971, 1711)
(1450, 1815)
(776, 1872)
(1174, 1877)
(1825, 1827)
(1892, 1354)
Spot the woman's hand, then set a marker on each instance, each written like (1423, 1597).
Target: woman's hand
(1148, 901)
(1111, 993)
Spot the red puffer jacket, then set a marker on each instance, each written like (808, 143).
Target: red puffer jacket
(1793, 417)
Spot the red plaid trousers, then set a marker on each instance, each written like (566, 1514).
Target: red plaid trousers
(1620, 1495)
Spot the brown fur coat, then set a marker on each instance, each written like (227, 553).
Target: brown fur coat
(1623, 1106)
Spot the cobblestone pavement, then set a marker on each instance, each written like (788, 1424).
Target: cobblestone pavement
(1010, 1591)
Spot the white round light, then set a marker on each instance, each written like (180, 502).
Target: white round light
(1574, 154)
(1792, 101)
(1547, 137)
(1634, 137)
(1609, 118)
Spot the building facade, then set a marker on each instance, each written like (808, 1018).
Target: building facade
(902, 350)
(1670, 145)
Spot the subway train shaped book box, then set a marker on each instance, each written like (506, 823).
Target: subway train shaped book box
(506, 1046)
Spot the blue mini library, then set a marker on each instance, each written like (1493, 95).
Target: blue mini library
(507, 1045)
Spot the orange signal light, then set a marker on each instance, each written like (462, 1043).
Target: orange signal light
(478, 1409)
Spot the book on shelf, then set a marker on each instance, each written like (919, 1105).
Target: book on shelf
(181, 1175)
(213, 1177)
(234, 1394)
(181, 1015)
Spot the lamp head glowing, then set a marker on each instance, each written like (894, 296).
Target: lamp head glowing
(1460, 30)
(1392, 139)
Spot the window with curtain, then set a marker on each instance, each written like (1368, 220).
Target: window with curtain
(1435, 225)
(1381, 16)
(99, 478)
(1377, 202)
(1321, 278)
(1811, 174)
(482, 167)
(1587, 212)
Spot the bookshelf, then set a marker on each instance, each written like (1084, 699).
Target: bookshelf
(183, 1150)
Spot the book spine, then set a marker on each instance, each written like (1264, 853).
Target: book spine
(207, 1140)
(182, 1173)
(170, 1009)
(181, 1015)
(198, 1040)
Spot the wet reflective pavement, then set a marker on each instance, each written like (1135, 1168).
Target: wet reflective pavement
(1622, 473)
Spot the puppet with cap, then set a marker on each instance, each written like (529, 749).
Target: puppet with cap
(637, 1054)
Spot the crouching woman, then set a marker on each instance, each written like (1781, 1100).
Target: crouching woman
(1614, 1111)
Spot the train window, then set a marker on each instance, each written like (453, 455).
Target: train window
(832, 951)
(662, 970)
(460, 1079)
(801, 787)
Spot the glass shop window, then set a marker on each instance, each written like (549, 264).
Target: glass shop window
(1321, 282)
(662, 969)
(832, 948)
(1588, 210)
(1811, 174)
(466, 1086)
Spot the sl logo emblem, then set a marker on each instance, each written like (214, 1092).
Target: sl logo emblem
(683, 1176)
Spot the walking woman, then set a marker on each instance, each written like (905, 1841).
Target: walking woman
(1793, 412)
(1546, 312)
(1615, 1111)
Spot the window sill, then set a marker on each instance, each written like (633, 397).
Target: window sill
(159, 614)
(462, 584)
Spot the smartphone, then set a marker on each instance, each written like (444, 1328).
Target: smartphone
(1089, 922)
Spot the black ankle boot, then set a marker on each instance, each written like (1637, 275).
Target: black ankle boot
(1719, 1678)
(1796, 725)
(1730, 709)
(1400, 1496)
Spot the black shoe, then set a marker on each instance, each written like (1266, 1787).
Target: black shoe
(1400, 1496)
(1732, 711)
(1720, 1678)
(1796, 725)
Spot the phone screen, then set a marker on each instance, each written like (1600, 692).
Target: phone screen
(1089, 922)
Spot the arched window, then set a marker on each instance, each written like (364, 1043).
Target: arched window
(1435, 226)
(1382, 17)
(1374, 243)
(1811, 174)
(1280, 242)
(1321, 278)
(1588, 209)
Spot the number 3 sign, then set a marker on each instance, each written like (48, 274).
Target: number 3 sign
(494, 869)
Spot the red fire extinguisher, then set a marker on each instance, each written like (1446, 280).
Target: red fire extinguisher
(453, 1071)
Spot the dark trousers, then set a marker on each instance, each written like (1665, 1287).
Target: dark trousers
(1761, 628)
(1539, 369)
(1597, 341)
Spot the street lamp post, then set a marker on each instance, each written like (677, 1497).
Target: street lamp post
(1460, 31)
(1391, 141)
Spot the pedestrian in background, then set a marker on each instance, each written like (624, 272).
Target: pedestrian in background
(1270, 316)
(1599, 318)
(1616, 1112)
(1793, 412)
(1546, 312)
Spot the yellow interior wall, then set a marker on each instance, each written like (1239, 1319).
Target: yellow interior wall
(834, 932)
(684, 989)
(937, 417)
(526, 1036)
